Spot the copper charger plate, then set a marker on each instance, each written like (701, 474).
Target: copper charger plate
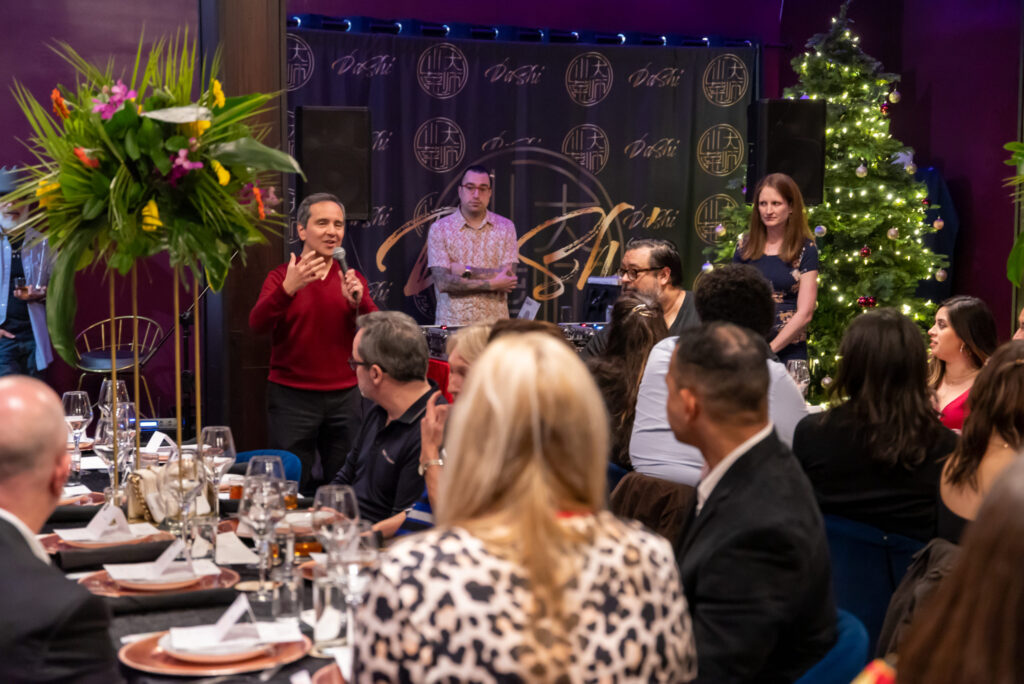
(90, 499)
(52, 543)
(84, 444)
(99, 583)
(146, 655)
(328, 674)
(306, 570)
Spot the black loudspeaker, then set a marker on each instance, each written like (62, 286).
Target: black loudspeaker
(788, 136)
(332, 145)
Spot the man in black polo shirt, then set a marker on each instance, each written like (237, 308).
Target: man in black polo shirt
(389, 357)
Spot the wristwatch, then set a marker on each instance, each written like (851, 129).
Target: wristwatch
(467, 273)
(439, 461)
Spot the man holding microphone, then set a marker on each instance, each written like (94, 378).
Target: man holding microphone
(310, 306)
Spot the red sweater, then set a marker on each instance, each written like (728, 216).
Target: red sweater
(311, 332)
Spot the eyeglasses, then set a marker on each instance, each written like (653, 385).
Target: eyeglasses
(352, 363)
(470, 188)
(633, 273)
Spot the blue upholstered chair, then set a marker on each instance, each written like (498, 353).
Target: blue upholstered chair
(846, 659)
(292, 464)
(867, 566)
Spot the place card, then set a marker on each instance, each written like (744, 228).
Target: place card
(232, 551)
(228, 634)
(176, 571)
(109, 520)
(155, 441)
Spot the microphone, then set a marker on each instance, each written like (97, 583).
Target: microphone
(339, 256)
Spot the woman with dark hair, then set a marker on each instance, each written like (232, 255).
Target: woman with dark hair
(636, 326)
(972, 630)
(962, 339)
(876, 455)
(780, 245)
(992, 437)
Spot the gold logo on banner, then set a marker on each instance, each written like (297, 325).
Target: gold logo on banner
(439, 144)
(588, 145)
(707, 216)
(442, 71)
(726, 80)
(588, 78)
(720, 150)
(301, 62)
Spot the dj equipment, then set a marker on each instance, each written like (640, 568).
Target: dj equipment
(577, 334)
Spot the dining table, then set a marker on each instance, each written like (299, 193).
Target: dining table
(136, 618)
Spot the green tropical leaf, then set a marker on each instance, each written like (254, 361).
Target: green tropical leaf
(1015, 262)
(131, 147)
(249, 152)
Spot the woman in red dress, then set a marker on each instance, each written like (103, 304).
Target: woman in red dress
(962, 339)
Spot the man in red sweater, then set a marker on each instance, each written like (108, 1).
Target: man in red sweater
(310, 307)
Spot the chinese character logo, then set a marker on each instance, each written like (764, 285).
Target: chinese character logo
(439, 144)
(726, 80)
(588, 78)
(442, 71)
(588, 145)
(301, 62)
(720, 150)
(707, 216)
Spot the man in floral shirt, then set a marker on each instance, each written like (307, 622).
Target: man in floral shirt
(472, 254)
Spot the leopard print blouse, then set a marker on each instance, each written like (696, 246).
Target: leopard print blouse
(445, 609)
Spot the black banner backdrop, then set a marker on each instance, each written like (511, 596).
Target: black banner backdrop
(589, 146)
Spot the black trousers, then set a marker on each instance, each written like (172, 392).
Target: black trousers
(310, 423)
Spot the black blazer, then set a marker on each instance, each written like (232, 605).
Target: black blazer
(53, 630)
(755, 571)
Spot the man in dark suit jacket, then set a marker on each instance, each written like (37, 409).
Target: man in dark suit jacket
(752, 553)
(53, 629)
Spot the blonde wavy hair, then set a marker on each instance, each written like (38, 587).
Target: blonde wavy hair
(528, 442)
(470, 341)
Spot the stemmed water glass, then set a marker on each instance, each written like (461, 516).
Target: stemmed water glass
(184, 478)
(800, 373)
(335, 516)
(105, 399)
(217, 449)
(103, 443)
(358, 558)
(262, 508)
(78, 415)
(269, 467)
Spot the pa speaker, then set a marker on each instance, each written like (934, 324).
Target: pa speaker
(788, 136)
(333, 147)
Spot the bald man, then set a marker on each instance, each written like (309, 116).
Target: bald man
(53, 629)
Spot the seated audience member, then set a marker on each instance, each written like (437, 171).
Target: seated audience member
(971, 629)
(752, 554)
(734, 293)
(53, 629)
(389, 356)
(652, 267)
(636, 326)
(464, 347)
(876, 455)
(962, 339)
(992, 438)
(526, 578)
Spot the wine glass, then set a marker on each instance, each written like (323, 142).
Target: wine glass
(184, 477)
(103, 442)
(359, 558)
(262, 508)
(217, 449)
(105, 398)
(335, 514)
(265, 466)
(801, 374)
(78, 415)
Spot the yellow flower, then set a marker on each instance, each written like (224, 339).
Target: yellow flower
(45, 192)
(223, 177)
(194, 129)
(218, 94)
(151, 217)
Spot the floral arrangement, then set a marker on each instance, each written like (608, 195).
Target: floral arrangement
(126, 171)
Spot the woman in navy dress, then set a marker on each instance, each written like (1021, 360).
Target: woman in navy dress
(779, 244)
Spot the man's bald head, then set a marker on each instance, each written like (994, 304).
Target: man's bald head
(32, 430)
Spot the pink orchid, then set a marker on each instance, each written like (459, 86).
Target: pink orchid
(270, 198)
(112, 99)
(180, 166)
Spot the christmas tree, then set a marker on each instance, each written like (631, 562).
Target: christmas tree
(870, 225)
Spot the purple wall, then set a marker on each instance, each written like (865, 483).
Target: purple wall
(96, 29)
(958, 60)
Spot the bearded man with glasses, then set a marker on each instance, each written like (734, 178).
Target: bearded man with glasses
(472, 255)
(652, 266)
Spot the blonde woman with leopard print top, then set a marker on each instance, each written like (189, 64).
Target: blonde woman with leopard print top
(526, 578)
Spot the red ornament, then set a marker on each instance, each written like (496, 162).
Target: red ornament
(884, 107)
(865, 251)
(926, 202)
(866, 302)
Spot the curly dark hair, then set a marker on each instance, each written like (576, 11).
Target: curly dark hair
(738, 294)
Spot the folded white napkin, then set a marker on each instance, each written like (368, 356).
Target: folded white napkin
(74, 490)
(178, 571)
(240, 637)
(93, 463)
(81, 534)
(231, 550)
